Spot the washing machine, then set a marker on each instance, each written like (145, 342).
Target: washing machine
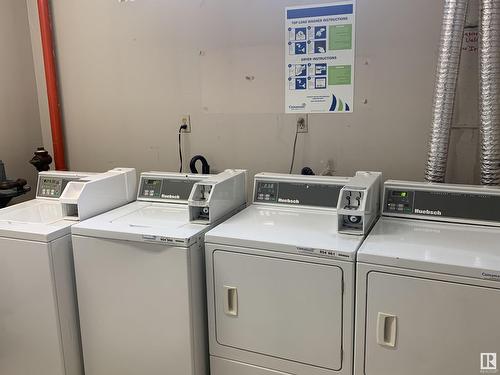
(428, 276)
(39, 332)
(140, 275)
(280, 276)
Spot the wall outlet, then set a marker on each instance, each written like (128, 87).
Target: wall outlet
(302, 124)
(186, 120)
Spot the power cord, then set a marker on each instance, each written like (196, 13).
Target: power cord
(183, 127)
(295, 145)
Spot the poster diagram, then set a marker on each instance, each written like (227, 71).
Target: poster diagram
(320, 52)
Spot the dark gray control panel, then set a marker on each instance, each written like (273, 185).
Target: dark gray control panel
(445, 204)
(51, 187)
(400, 201)
(299, 194)
(166, 188)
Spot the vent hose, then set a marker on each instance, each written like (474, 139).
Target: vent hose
(450, 49)
(489, 83)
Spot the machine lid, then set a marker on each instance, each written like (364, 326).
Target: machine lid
(290, 230)
(154, 215)
(450, 248)
(442, 202)
(35, 220)
(145, 222)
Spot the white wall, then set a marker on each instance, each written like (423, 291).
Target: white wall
(19, 118)
(129, 71)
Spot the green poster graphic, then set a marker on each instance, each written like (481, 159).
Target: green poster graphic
(340, 37)
(339, 75)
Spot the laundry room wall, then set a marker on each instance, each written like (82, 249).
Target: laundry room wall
(19, 118)
(130, 70)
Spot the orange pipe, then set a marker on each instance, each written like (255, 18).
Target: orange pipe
(51, 80)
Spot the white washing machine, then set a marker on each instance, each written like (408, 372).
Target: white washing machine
(280, 276)
(428, 276)
(140, 275)
(39, 333)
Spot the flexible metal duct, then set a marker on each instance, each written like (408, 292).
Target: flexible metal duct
(450, 50)
(489, 83)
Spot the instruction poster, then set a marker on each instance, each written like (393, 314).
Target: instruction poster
(320, 52)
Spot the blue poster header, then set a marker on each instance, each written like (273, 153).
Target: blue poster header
(333, 10)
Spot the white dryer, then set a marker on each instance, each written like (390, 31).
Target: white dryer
(280, 276)
(428, 276)
(39, 333)
(140, 275)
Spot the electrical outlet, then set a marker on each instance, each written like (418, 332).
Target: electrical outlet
(302, 124)
(186, 120)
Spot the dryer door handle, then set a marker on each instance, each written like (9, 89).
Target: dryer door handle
(387, 330)
(230, 301)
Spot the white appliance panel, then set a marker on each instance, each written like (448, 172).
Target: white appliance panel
(38, 212)
(222, 366)
(281, 308)
(134, 298)
(30, 337)
(155, 215)
(436, 327)
(285, 230)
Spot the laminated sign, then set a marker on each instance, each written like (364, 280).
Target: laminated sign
(320, 51)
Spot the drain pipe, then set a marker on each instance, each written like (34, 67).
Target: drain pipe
(450, 49)
(51, 80)
(489, 84)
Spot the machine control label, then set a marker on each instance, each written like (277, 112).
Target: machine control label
(445, 204)
(297, 193)
(320, 53)
(164, 188)
(325, 253)
(52, 187)
(164, 240)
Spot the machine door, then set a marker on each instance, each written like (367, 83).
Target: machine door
(281, 308)
(418, 326)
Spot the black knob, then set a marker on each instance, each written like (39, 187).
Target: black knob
(41, 160)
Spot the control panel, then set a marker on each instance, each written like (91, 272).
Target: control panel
(443, 201)
(399, 201)
(51, 187)
(151, 188)
(297, 193)
(172, 189)
(266, 192)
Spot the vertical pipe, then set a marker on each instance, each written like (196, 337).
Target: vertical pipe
(489, 84)
(51, 80)
(450, 49)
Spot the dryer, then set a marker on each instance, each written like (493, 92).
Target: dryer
(140, 275)
(39, 332)
(428, 276)
(280, 276)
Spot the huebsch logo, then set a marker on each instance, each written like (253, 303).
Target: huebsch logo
(428, 212)
(489, 363)
(288, 201)
(172, 196)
